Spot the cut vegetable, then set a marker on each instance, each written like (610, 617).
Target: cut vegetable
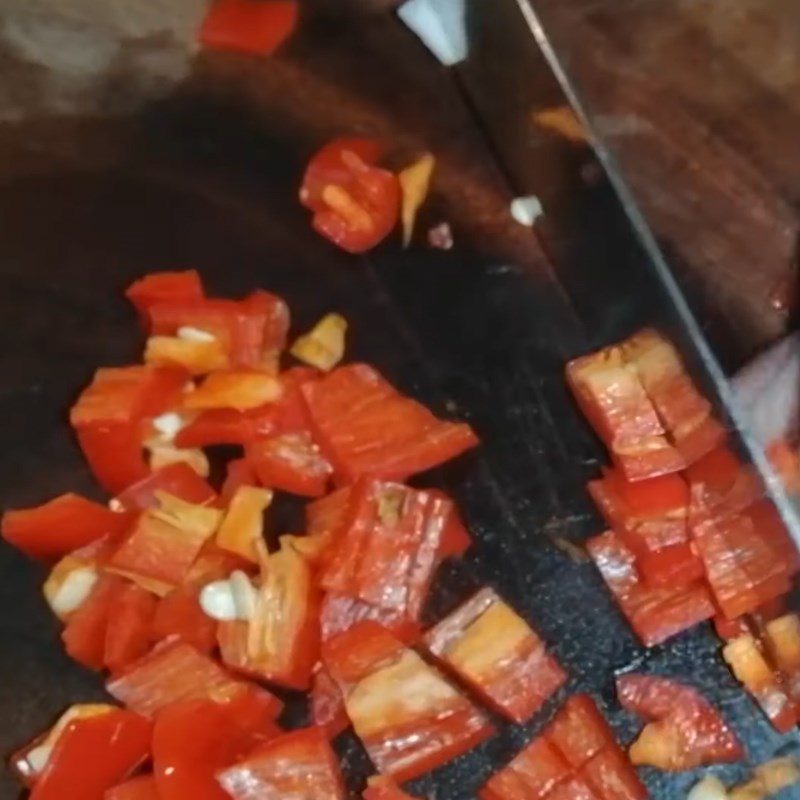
(655, 613)
(279, 642)
(60, 526)
(164, 543)
(296, 764)
(175, 672)
(92, 754)
(323, 346)
(355, 203)
(685, 731)
(389, 550)
(415, 182)
(498, 654)
(194, 740)
(243, 525)
(408, 717)
(292, 463)
(364, 426)
(751, 668)
(240, 390)
(575, 758)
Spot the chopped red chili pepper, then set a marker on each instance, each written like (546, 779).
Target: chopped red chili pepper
(175, 672)
(408, 717)
(179, 480)
(339, 613)
(60, 526)
(280, 641)
(686, 414)
(109, 419)
(533, 774)
(365, 427)
(164, 287)
(685, 731)
(290, 462)
(575, 758)
(130, 619)
(314, 770)
(252, 331)
(497, 654)
(615, 403)
(655, 613)
(194, 740)
(93, 754)
(356, 204)
(743, 567)
(751, 668)
(164, 543)
(249, 26)
(84, 636)
(327, 704)
(179, 616)
(391, 546)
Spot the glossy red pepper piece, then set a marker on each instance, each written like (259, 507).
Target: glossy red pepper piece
(114, 454)
(750, 666)
(94, 754)
(252, 331)
(314, 770)
(612, 398)
(391, 547)
(176, 672)
(408, 717)
(179, 480)
(249, 26)
(227, 426)
(579, 731)
(179, 616)
(327, 168)
(339, 613)
(160, 549)
(612, 777)
(109, 419)
(60, 526)
(160, 287)
(533, 774)
(128, 633)
(280, 641)
(327, 704)
(290, 462)
(494, 651)
(743, 566)
(194, 740)
(684, 732)
(291, 413)
(655, 613)
(365, 427)
(649, 515)
(84, 636)
(142, 787)
(685, 413)
(356, 204)
(125, 395)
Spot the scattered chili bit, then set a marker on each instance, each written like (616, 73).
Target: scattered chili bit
(415, 182)
(685, 731)
(256, 27)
